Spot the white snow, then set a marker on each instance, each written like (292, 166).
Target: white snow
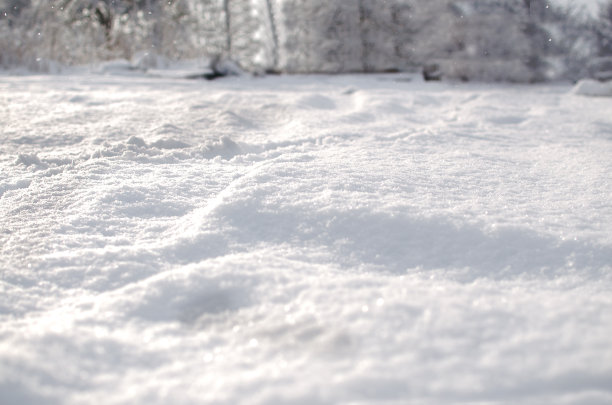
(593, 88)
(303, 240)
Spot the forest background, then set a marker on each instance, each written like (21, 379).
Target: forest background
(489, 40)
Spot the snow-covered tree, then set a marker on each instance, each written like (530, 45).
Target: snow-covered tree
(387, 32)
(483, 39)
(243, 27)
(603, 29)
(320, 36)
(267, 12)
(518, 40)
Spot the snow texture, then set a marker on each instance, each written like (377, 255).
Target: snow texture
(303, 240)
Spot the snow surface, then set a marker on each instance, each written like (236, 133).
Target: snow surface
(593, 88)
(303, 240)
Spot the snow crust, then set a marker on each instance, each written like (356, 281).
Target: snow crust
(303, 240)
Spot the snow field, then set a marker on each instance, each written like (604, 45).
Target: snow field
(303, 240)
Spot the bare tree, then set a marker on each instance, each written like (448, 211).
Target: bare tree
(363, 22)
(603, 29)
(273, 32)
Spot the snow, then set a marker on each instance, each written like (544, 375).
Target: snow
(303, 240)
(593, 88)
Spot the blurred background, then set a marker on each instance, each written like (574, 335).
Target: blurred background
(488, 40)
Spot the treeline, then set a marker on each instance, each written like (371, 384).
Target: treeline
(509, 40)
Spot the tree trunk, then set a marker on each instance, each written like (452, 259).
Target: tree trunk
(274, 34)
(228, 28)
(528, 6)
(363, 22)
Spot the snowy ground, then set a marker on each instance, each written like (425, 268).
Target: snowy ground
(303, 240)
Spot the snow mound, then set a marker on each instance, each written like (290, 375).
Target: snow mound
(318, 102)
(29, 159)
(163, 149)
(4, 187)
(593, 88)
(224, 147)
(183, 296)
(169, 144)
(235, 120)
